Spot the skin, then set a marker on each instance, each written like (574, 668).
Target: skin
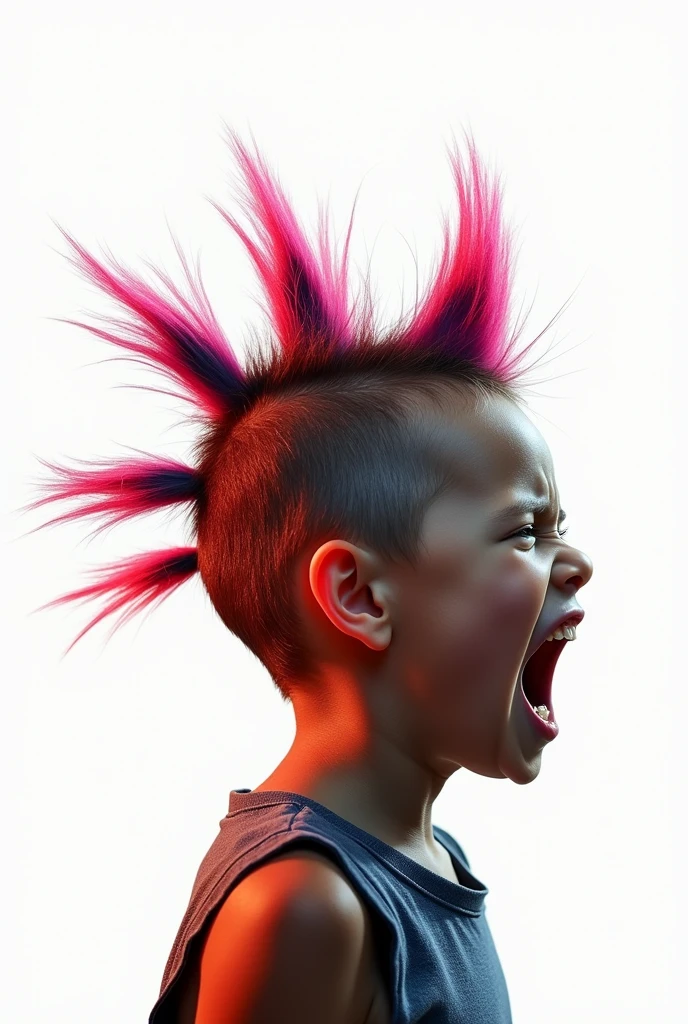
(418, 677)
(419, 666)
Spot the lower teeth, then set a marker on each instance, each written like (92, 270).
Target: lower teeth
(542, 710)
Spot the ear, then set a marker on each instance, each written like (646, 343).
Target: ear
(347, 584)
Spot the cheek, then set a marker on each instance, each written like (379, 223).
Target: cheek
(469, 616)
(461, 654)
(494, 617)
(515, 601)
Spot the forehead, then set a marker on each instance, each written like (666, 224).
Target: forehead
(492, 448)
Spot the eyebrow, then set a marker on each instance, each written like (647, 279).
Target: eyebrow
(535, 505)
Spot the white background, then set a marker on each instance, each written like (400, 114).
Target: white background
(119, 758)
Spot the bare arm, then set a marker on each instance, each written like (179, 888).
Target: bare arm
(291, 943)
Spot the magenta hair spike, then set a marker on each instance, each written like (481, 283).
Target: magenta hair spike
(185, 343)
(465, 309)
(306, 295)
(135, 582)
(117, 489)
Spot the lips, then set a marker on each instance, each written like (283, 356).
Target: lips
(574, 617)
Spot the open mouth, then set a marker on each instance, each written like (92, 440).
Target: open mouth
(536, 679)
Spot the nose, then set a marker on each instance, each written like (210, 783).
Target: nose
(580, 567)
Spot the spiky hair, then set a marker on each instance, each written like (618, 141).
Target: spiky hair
(314, 439)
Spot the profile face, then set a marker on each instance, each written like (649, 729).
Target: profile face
(469, 613)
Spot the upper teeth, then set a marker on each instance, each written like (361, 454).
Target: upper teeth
(563, 632)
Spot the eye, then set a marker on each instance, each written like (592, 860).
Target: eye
(522, 533)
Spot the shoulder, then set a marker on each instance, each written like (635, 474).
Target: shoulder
(302, 878)
(292, 940)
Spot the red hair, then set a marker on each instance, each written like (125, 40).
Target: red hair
(314, 437)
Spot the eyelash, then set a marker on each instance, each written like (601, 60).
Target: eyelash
(520, 533)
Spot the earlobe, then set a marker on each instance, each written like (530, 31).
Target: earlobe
(341, 580)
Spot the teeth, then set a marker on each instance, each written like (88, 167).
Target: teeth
(542, 710)
(564, 632)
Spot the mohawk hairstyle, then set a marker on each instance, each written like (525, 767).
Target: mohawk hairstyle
(316, 437)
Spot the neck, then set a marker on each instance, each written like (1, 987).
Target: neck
(361, 771)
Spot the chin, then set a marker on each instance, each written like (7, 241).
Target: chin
(494, 768)
(487, 772)
(507, 761)
(520, 774)
(520, 771)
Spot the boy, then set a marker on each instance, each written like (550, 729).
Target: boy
(379, 522)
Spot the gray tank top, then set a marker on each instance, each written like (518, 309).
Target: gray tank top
(436, 952)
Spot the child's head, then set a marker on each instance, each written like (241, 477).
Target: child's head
(348, 484)
(431, 650)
